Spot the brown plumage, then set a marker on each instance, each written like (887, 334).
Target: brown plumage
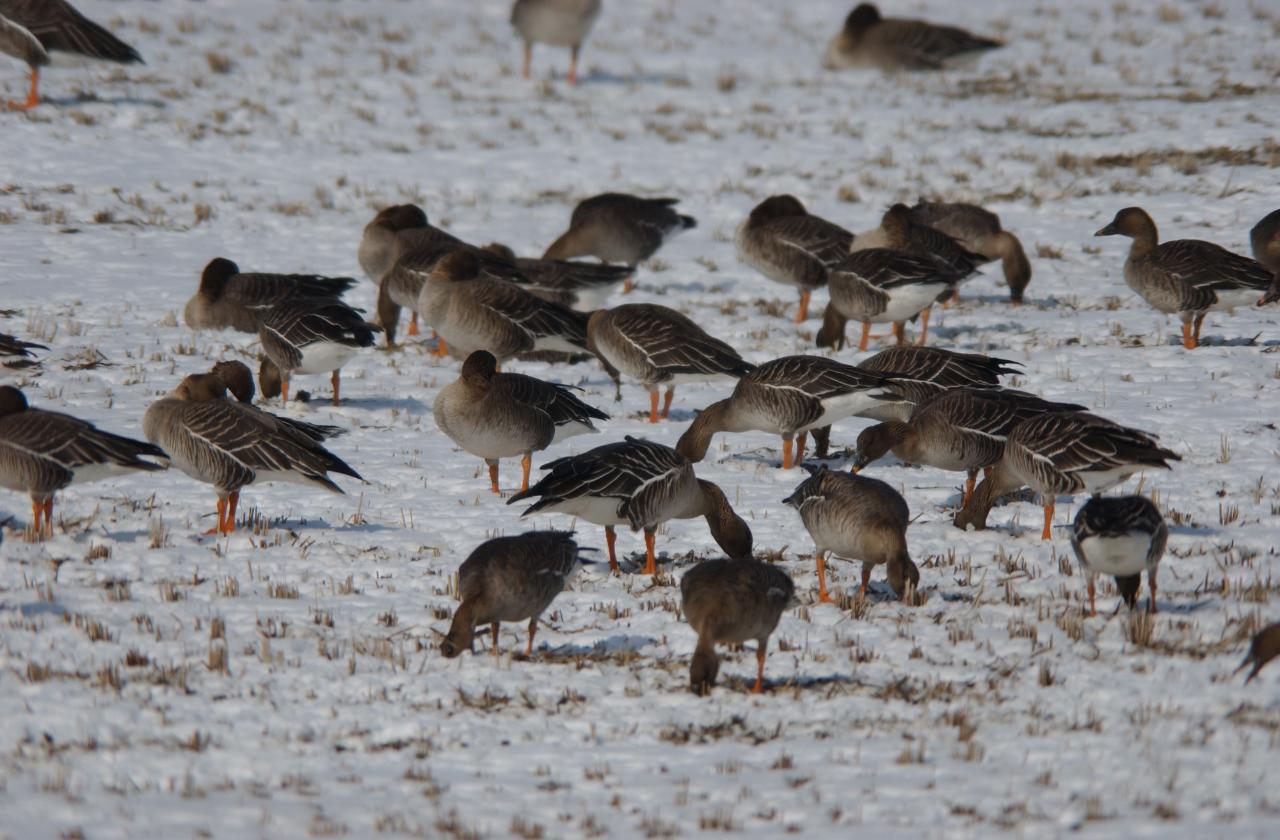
(12, 346)
(892, 44)
(561, 23)
(238, 380)
(1264, 647)
(229, 298)
(979, 231)
(1265, 239)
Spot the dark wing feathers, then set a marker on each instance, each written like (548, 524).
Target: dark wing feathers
(58, 26)
(73, 443)
(11, 346)
(675, 344)
(260, 290)
(885, 268)
(567, 275)
(813, 236)
(946, 368)
(1204, 265)
(557, 400)
(536, 316)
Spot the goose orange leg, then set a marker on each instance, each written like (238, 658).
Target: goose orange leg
(573, 65)
(899, 333)
(413, 323)
(650, 556)
(610, 537)
(1093, 602)
(1151, 587)
(653, 406)
(222, 516)
(968, 487)
(493, 476)
(1195, 330)
(761, 653)
(533, 630)
(803, 312)
(924, 327)
(48, 516)
(1048, 520)
(493, 628)
(33, 94)
(866, 580)
(526, 463)
(866, 336)
(801, 440)
(823, 596)
(786, 454)
(284, 390)
(336, 381)
(1188, 339)
(528, 59)
(442, 348)
(37, 517)
(666, 401)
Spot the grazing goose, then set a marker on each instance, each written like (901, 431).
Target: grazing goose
(510, 579)
(230, 445)
(229, 299)
(41, 452)
(40, 31)
(500, 415)
(1186, 277)
(1264, 647)
(858, 518)
(309, 336)
(12, 346)
(787, 397)
(900, 231)
(1120, 536)
(732, 601)
(637, 483)
(238, 380)
(893, 44)
(473, 313)
(577, 285)
(658, 346)
(961, 429)
(1064, 453)
(789, 245)
(561, 23)
(978, 230)
(619, 228)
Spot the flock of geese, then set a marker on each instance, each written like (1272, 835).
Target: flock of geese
(487, 306)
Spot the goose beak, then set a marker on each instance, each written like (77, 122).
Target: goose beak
(1109, 230)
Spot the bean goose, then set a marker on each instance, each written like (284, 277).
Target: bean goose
(1186, 277)
(899, 231)
(961, 429)
(510, 579)
(561, 23)
(640, 484)
(893, 44)
(732, 601)
(500, 415)
(1120, 536)
(658, 346)
(1263, 647)
(1064, 453)
(858, 518)
(41, 452)
(787, 397)
(12, 346)
(228, 298)
(238, 380)
(309, 336)
(231, 445)
(979, 231)
(37, 31)
(473, 313)
(577, 285)
(1265, 239)
(789, 245)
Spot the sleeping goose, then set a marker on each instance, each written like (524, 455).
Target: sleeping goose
(640, 484)
(561, 23)
(578, 285)
(501, 415)
(789, 245)
(1186, 277)
(858, 518)
(13, 346)
(238, 380)
(41, 31)
(228, 298)
(230, 445)
(1064, 453)
(510, 579)
(309, 336)
(892, 44)
(786, 397)
(658, 346)
(41, 452)
(732, 601)
(1120, 536)
(978, 230)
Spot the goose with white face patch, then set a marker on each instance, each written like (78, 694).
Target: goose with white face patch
(1121, 536)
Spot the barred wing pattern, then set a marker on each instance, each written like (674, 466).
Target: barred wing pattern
(286, 329)
(673, 344)
(58, 26)
(556, 400)
(1053, 450)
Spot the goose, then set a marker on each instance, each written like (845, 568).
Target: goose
(658, 346)
(899, 231)
(1186, 277)
(894, 44)
(1265, 239)
(561, 23)
(238, 380)
(789, 245)
(978, 230)
(230, 299)
(619, 228)
(473, 313)
(577, 285)
(787, 397)
(510, 579)
(42, 452)
(1064, 453)
(961, 429)
(309, 336)
(858, 518)
(230, 445)
(43, 31)
(500, 415)
(1120, 536)
(731, 601)
(637, 483)
(1264, 647)
(13, 346)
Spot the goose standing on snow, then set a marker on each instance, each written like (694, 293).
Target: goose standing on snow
(561, 23)
(658, 346)
(501, 415)
(238, 380)
(1120, 536)
(230, 445)
(41, 452)
(229, 299)
(789, 245)
(510, 579)
(979, 231)
(732, 601)
(640, 484)
(41, 31)
(309, 336)
(1186, 277)
(892, 44)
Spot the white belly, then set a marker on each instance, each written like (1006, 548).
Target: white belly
(1099, 480)
(593, 509)
(845, 405)
(1233, 298)
(324, 356)
(1118, 556)
(97, 472)
(573, 429)
(907, 301)
(555, 342)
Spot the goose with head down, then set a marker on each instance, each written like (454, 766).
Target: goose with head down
(979, 231)
(229, 298)
(578, 285)
(1120, 536)
(238, 380)
(309, 336)
(893, 44)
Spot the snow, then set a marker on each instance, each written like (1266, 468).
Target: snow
(994, 706)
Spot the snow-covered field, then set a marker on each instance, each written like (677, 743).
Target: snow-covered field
(286, 682)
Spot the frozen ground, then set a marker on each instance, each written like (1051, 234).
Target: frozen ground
(285, 682)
